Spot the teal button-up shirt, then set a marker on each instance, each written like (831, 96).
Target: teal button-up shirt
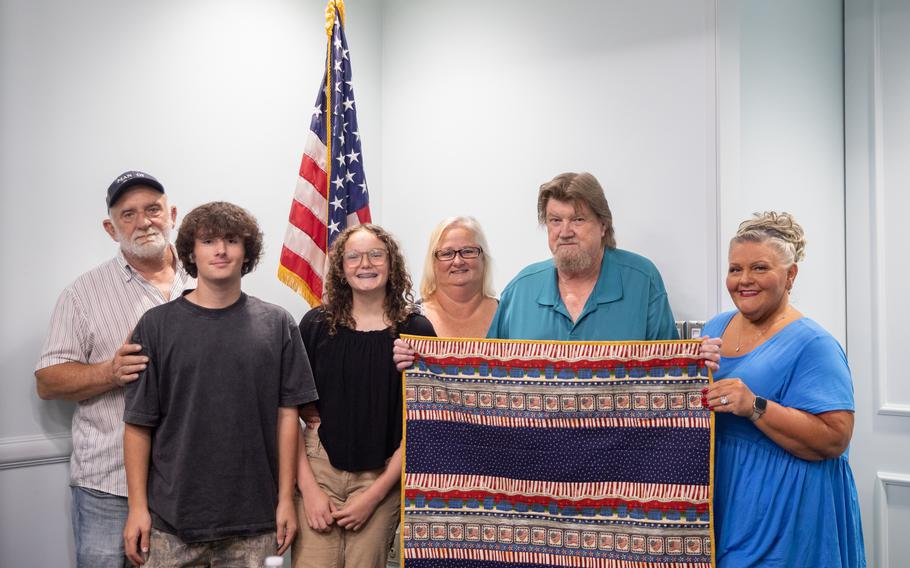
(628, 303)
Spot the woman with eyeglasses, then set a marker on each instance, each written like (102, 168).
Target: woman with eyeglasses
(457, 283)
(348, 476)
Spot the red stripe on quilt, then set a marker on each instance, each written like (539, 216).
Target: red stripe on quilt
(543, 363)
(612, 503)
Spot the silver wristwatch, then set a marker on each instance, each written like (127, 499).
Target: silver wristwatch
(759, 406)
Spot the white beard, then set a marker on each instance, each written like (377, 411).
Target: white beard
(154, 246)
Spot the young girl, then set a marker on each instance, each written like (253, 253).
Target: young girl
(349, 474)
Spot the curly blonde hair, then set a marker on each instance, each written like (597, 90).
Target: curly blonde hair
(338, 298)
(779, 229)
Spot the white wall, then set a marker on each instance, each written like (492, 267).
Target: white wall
(35, 517)
(691, 119)
(484, 101)
(877, 140)
(213, 97)
(781, 136)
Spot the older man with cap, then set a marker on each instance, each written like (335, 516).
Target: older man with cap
(87, 356)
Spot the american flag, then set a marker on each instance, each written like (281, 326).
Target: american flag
(331, 192)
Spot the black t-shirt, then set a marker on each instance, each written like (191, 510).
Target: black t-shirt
(211, 392)
(359, 389)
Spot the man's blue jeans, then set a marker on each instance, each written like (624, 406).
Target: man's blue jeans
(98, 521)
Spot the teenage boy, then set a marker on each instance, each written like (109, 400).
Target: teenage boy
(210, 440)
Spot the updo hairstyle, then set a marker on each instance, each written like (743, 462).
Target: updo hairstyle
(780, 230)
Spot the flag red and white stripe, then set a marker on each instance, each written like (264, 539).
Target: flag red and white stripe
(331, 194)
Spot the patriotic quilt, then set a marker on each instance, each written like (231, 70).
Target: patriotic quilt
(539, 454)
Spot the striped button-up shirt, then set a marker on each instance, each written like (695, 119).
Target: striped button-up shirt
(93, 317)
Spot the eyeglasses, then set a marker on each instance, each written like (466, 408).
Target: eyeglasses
(466, 253)
(377, 257)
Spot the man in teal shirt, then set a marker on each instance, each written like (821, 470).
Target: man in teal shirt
(589, 290)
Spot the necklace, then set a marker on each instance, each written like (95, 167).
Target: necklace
(739, 337)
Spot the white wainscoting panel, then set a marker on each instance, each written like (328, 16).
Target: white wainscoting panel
(890, 202)
(877, 131)
(40, 449)
(35, 528)
(893, 505)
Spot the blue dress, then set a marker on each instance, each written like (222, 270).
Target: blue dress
(772, 508)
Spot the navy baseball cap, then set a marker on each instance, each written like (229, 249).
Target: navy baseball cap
(127, 180)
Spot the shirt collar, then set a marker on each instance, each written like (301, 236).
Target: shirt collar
(609, 283)
(125, 268)
(549, 291)
(608, 288)
(129, 272)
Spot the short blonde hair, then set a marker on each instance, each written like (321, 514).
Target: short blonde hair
(428, 281)
(780, 230)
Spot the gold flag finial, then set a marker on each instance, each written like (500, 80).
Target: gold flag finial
(330, 14)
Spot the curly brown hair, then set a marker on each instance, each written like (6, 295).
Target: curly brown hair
(338, 298)
(219, 219)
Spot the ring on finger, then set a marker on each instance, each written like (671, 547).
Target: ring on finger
(724, 401)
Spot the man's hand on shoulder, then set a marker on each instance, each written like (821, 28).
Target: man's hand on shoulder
(74, 380)
(126, 364)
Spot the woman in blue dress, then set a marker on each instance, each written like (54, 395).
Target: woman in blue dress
(784, 493)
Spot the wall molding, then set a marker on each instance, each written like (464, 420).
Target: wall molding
(893, 409)
(40, 449)
(877, 256)
(712, 166)
(881, 506)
